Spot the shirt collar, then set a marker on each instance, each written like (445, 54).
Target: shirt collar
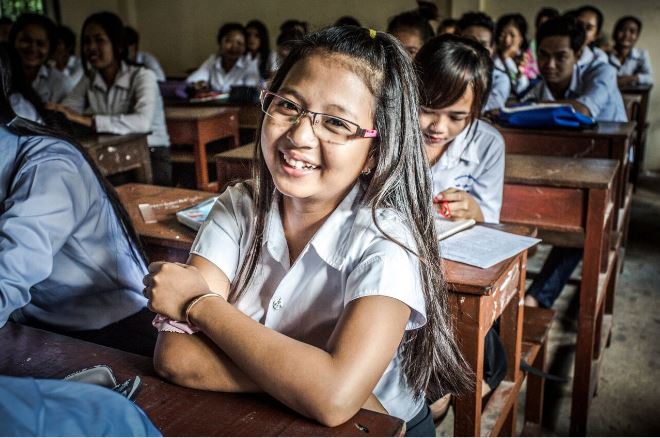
(123, 79)
(459, 149)
(44, 72)
(546, 94)
(331, 242)
(240, 64)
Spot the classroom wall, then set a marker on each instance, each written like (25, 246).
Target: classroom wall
(647, 10)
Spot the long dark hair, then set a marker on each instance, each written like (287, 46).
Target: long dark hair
(447, 65)
(519, 22)
(264, 46)
(619, 25)
(400, 181)
(114, 28)
(22, 127)
(28, 19)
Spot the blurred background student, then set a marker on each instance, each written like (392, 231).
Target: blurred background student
(64, 58)
(512, 54)
(5, 28)
(258, 48)
(136, 56)
(633, 65)
(412, 29)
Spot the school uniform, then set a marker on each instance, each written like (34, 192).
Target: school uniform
(594, 86)
(133, 104)
(271, 62)
(519, 82)
(637, 63)
(73, 69)
(474, 162)
(348, 258)
(500, 91)
(243, 72)
(151, 62)
(590, 55)
(23, 108)
(51, 85)
(65, 263)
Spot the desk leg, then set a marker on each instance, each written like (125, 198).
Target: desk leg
(145, 173)
(588, 313)
(469, 321)
(201, 166)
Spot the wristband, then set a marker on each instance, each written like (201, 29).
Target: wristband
(196, 300)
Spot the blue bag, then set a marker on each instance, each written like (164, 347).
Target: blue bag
(544, 116)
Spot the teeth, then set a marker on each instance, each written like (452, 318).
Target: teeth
(297, 164)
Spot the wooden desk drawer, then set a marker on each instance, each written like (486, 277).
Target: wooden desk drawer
(535, 144)
(113, 159)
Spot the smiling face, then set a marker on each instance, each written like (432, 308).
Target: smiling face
(589, 21)
(97, 47)
(556, 59)
(33, 46)
(510, 39)
(440, 126)
(302, 166)
(232, 46)
(627, 34)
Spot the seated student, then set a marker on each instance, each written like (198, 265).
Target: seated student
(118, 97)
(480, 27)
(512, 54)
(5, 28)
(347, 20)
(70, 260)
(592, 19)
(64, 58)
(341, 306)
(136, 56)
(633, 65)
(466, 154)
(591, 90)
(285, 42)
(258, 48)
(228, 67)
(23, 99)
(33, 37)
(411, 29)
(448, 25)
(300, 26)
(544, 14)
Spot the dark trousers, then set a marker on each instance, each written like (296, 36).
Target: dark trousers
(554, 275)
(421, 424)
(161, 165)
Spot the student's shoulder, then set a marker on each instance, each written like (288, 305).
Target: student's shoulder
(60, 157)
(238, 199)
(488, 134)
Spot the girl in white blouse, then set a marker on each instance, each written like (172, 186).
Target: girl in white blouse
(117, 97)
(633, 65)
(319, 282)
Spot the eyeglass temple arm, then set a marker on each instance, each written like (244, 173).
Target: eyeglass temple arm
(367, 133)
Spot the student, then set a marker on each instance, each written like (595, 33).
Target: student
(633, 65)
(594, 93)
(512, 55)
(228, 67)
(411, 29)
(448, 25)
(466, 154)
(480, 27)
(543, 15)
(23, 99)
(118, 97)
(33, 37)
(347, 20)
(300, 26)
(64, 58)
(5, 28)
(590, 89)
(325, 269)
(285, 42)
(258, 48)
(136, 56)
(592, 20)
(70, 260)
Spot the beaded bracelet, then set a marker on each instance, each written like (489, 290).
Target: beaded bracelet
(197, 300)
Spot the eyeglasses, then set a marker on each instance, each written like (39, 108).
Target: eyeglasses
(327, 128)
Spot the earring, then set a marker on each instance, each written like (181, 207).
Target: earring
(366, 172)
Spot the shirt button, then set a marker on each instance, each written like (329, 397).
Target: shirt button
(277, 304)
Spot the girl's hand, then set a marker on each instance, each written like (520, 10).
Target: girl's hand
(70, 114)
(461, 205)
(171, 286)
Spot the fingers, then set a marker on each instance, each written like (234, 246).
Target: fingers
(454, 196)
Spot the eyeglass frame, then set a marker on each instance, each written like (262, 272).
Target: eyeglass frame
(360, 132)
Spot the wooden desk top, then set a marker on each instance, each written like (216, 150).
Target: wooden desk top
(109, 139)
(165, 202)
(636, 88)
(559, 171)
(192, 113)
(245, 152)
(175, 410)
(602, 129)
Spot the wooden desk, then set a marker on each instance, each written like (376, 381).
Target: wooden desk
(199, 126)
(234, 164)
(478, 298)
(643, 92)
(115, 154)
(574, 198)
(607, 140)
(175, 410)
(249, 114)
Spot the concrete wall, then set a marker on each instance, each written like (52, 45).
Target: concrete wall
(647, 10)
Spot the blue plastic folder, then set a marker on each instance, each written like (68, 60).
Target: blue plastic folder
(544, 116)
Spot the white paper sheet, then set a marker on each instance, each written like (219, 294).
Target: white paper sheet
(484, 247)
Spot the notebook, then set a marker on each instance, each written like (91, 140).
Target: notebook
(195, 216)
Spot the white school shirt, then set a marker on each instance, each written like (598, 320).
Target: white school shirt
(23, 108)
(499, 92)
(594, 86)
(132, 104)
(73, 69)
(590, 55)
(51, 85)
(474, 162)
(271, 66)
(348, 258)
(636, 63)
(151, 62)
(519, 82)
(244, 72)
